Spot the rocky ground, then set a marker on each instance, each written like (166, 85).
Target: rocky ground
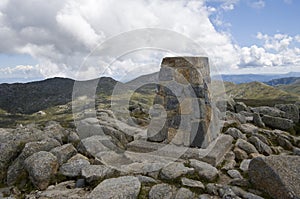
(256, 156)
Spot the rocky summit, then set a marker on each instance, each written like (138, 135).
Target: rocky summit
(106, 155)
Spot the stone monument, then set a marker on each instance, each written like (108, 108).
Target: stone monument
(182, 112)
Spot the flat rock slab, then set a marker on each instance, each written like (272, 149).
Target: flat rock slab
(94, 173)
(277, 175)
(216, 151)
(122, 187)
(213, 154)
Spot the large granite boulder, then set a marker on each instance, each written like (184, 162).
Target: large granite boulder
(277, 122)
(41, 167)
(64, 153)
(271, 111)
(204, 170)
(276, 175)
(122, 187)
(16, 169)
(291, 111)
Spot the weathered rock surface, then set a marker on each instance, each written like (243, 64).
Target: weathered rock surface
(291, 111)
(257, 120)
(246, 146)
(64, 190)
(260, 146)
(41, 167)
(162, 191)
(215, 153)
(95, 173)
(184, 193)
(64, 153)
(192, 183)
(175, 170)
(235, 133)
(73, 167)
(92, 145)
(277, 122)
(16, 171)
(122, 187)
(276, 175)
(204, 170)
(271, 111)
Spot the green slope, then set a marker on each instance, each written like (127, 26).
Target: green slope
(257, 94)
(291, 88)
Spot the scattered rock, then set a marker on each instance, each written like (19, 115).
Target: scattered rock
(64, 153)
(284, 143)
(271, 111)
(296, 151)
(204, 170)
(234, 174)
(41, 167)
(92, 145)
(64, 190)
(122, 187)
(175, 170)
(277, 122)
(245, 165)
(241, 106)
(291, 111)
(192, 183)
(258, 121)
(276, 175)
(260, 146)
(244, 194)
(16, 171)
(236, 117)
(240, 154)
(229, 161)
(216, 154)
(162, 191)
(146, 179)
(246, 146)
(235, 133)
(184, 193)
(248, 129)
(73, 167)
(95, 173)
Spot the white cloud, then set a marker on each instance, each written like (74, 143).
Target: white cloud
(257, 4)
(297, 38)
(278, 42)
(20, 72)
(277, 50)
(61, 33)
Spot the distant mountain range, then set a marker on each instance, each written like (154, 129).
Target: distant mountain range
(28, 98)
(246, 78)
(31, 97)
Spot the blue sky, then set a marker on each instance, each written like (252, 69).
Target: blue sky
(276, 16)
(46, 39)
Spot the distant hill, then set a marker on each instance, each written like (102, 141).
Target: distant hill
(257, 94)
(27, 98)
(283, 81)
(246, 78)
(291, 88)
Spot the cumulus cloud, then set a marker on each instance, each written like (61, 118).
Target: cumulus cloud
(61, 33)
(277, 50)
(20, 73)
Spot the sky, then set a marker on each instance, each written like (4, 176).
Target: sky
(43, 39)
